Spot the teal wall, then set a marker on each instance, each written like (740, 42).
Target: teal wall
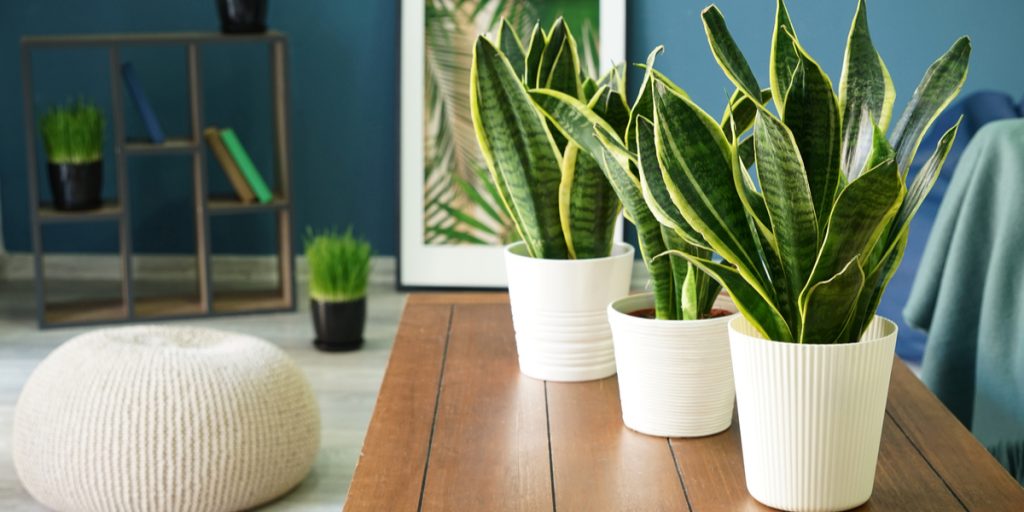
(344, 77)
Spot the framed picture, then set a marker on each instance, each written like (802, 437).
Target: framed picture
(452, 224)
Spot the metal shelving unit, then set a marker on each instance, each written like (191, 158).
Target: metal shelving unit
(208, 301)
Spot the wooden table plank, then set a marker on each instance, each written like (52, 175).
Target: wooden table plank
(390, 470)
(712, 469)
(977, 479)
(490, 446)
(904, 480)
(598, 463)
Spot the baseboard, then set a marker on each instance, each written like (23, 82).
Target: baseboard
(226, 268)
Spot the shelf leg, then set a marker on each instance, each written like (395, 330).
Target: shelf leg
(286, 258)
(33, 183)
(125, 223)
(199, 180)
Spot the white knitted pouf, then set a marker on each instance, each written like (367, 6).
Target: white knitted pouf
(161, 418)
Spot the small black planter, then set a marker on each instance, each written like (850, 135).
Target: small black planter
(76, 186)
(339, 325)
(242, 16)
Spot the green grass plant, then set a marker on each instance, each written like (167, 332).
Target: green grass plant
(73, 133)
(339, 265)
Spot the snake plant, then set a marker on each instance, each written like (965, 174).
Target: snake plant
(810, 250)
(627, 157)
(558, 198)
(813, 248)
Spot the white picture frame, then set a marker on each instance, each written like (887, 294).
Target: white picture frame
(423, 265)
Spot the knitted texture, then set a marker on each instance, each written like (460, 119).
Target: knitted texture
(162, 418)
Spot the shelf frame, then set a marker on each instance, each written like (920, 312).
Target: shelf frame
(110, 210)
(169, 146)
(103, 310)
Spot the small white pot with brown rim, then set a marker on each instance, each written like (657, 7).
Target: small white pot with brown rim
(675, 376)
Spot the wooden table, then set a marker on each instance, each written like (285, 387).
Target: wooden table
(458, 428)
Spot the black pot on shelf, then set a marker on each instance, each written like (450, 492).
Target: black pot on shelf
(76, 186)
(242, 16)
(339, 325)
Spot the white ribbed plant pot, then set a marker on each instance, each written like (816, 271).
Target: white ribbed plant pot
(675, 376)
(558, 311)
(811, 416)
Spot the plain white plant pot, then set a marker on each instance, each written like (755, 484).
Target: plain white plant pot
(811, 416)
(675, 376)
(558, 311)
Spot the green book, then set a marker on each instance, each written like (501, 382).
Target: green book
(241, 157)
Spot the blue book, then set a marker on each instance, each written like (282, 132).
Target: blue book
(156, 133)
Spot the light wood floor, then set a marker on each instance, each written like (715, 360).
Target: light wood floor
(346, 385)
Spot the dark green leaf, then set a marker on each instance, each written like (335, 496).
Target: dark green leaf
(643, 105)
(866, 92)
(741, 111)
(533, 55)
(518, 149)
(655, 192)
(589, 87)
(492, 189)
(587, 205)
(752, 199)
(512, 47)
(680, 270)
(784, 58)
(574, 119)
(812, 115)
(925, 179)
(831, 304)
(787, 196)
(871, 295)
(861, 213)
(696, 162)
(660, 269)
(745, 151)
(612, 107)
(940, 85)
(727, 53)
(559, 64)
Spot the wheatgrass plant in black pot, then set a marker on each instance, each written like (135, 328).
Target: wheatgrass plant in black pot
(339, 270)
(73, 141)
